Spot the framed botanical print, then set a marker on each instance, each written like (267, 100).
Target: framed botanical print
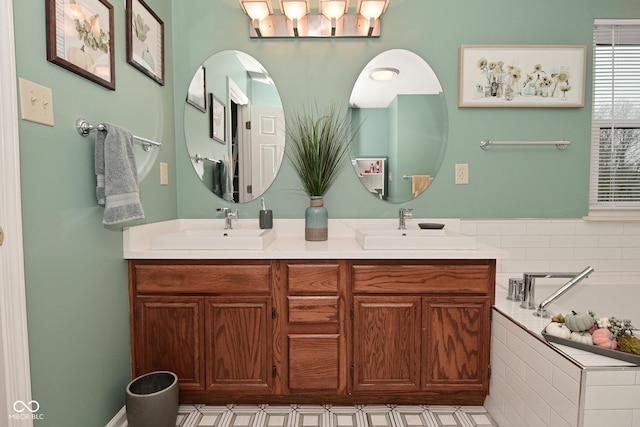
(145, 40)
(217, 119)
(522, 76)
(80, 38)
(196, 94)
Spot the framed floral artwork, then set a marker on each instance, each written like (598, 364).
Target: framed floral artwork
(196, 94)
(80, 38)
(217, 119)
(522, 76)
(145, 40)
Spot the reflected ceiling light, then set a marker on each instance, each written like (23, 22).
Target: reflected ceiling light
(257, 11)
(294, 10)
(383, 74)
(372, 10)
(334, 10)
(296, 14)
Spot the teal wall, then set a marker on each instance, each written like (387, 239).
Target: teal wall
(75, 277)
(504, 182)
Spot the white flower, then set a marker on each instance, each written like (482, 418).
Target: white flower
(603, 322)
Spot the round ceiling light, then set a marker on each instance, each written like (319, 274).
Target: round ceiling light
(383, 74)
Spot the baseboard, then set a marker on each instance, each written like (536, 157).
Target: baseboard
(119, 420)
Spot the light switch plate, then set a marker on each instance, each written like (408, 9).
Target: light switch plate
(36, 102)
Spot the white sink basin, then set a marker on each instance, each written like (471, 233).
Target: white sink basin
(234, 239)
(414, 239)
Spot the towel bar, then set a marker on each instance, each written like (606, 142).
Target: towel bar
(84, 128)
(198, 158)
(562, 144)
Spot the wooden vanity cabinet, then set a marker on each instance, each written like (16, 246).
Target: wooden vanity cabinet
(336, 331)
(422, 328)
(209, 322)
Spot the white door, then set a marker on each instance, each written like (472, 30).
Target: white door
(267, 145)
(15, 382)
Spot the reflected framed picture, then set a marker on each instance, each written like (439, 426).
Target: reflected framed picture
(145, 40)
(217, 119)
(522, 76)
(80, 38)
(197, 90)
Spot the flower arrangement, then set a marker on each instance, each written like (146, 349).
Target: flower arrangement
(586, 327)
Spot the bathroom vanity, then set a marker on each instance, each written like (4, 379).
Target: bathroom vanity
(313, 322)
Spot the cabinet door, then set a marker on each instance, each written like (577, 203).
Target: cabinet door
(386, 343)
(238, 344)
(456, 343)
(169, 336)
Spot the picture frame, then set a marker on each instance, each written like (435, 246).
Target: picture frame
(196, 94)
(80, 38)
(522, 76)
(145, 40)
(217, 119)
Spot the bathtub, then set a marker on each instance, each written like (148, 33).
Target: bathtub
(535, 383)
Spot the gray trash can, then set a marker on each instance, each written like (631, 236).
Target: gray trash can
(152, 400)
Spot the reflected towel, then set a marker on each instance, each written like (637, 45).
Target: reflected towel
(218, 178)
(419, 183)
(117, 176)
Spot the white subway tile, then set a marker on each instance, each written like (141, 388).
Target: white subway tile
(520, 266)
(599, 228)
(572, 265)
(525, 241)
(631, 253)
(631, 227)
(636, 418)
(614, 241)
(612, 397)
(619, 376)
(557, 421)
(551, 228)
(549, 253)
(618, 266)
(574, 241)
(567, 385)
(534, 419)
(598, 253)
(494, 241)
(608, 418)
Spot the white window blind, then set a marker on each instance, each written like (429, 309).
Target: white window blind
(615, 125)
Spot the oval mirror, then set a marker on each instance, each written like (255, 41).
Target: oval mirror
(234, 126)
(400, 107)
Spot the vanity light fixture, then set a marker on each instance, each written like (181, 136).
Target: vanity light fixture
(298, 18)
(295, 10)
(372, 10)
(257, 11)
(383, 74)
(333, 10)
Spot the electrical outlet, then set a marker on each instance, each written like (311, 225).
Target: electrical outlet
(36, 102)
(462, 173)
(164, 173)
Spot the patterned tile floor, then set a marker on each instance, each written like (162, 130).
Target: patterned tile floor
(333, 416)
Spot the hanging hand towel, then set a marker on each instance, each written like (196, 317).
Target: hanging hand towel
(117, 176)
(419, 183)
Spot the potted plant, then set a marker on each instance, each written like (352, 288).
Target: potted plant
(318, 149)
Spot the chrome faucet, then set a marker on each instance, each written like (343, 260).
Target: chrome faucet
(529, 288)
(403, 214)
(228, 216)
(541, 311)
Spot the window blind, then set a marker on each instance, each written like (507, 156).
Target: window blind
(615, 125)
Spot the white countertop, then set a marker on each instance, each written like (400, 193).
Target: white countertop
(535, 325)
(290, 243)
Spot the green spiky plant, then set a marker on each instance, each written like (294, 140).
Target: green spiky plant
(318, 146)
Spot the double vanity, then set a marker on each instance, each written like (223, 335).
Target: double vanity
(272, 318)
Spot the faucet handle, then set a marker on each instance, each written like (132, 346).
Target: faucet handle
(406, 212)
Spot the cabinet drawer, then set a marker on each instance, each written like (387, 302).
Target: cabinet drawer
(313, 309)
(415, 278)
(313, 278)
(240, 278)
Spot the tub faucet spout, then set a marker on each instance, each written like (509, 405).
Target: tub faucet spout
(541, 311)
(529, 285)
